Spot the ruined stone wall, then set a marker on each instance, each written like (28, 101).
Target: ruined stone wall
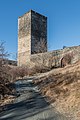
(53, 59)
(32, 38)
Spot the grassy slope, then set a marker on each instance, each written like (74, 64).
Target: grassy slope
(62, 87)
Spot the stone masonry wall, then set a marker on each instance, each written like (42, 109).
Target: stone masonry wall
(38, 33)
(24, 38)
(53, 59)
(32, 36)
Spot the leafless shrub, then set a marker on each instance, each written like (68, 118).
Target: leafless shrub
(42, 69)
(5, 76)
(14, 73)
(22, 71)
(37, 69)
(19, 72)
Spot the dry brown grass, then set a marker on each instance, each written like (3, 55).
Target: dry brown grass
(62, 88)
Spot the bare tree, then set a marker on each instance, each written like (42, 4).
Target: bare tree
(3, 53)
(4, 71)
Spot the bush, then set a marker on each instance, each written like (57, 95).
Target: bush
(5, 80)
(5, 75)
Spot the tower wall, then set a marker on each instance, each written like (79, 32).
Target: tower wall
(38, 33)
(32, 36)
(24, 38)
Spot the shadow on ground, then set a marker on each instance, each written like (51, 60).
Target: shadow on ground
(32, 106)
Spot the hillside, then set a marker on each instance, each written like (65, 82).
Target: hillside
(59, 87)
(62, 88)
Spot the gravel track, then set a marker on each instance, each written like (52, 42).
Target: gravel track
(30, 105)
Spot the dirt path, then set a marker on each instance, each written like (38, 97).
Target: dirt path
(30, 105)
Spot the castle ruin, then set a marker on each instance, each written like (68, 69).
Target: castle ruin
(32, 36)
(32, 44)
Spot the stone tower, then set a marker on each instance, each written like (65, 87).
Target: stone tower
(32, 36)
